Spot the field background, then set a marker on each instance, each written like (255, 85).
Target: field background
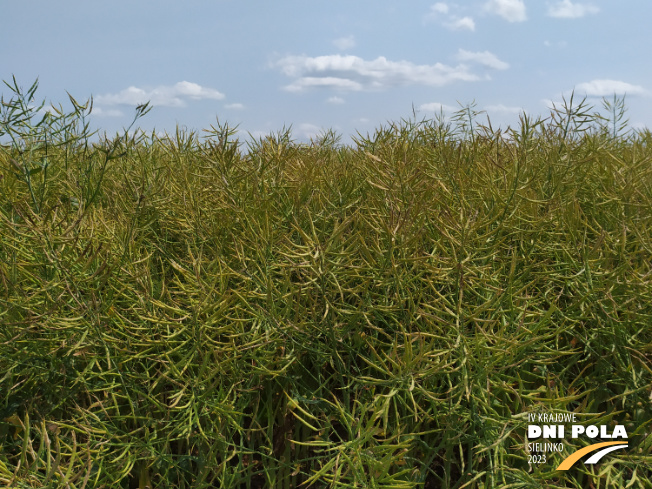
(192, 311)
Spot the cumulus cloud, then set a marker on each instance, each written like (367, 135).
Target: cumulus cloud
(440, 12)
(308, 82)
(569, 10)
(163, 95)
(605, 88)
(485, 58)
(461, 23)
(352, 73)
(439, 8)
(510, 10)
(344, 43)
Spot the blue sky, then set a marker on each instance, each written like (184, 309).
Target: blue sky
(345, 65)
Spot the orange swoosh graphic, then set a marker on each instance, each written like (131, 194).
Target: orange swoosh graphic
(574, 457)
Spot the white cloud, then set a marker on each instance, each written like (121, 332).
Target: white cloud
(605, 88)
(307, 82)
(163, 95)
(440, 12)
(128, 96)
(354, 74)
(306, 131)
(504, 109)
(235, 106)
(568, 10)
(485, 58)
(437, 107)
(196, 92)
(462, 23)
(335, 100)
(439, 8)
(344, 43)
(510, 10)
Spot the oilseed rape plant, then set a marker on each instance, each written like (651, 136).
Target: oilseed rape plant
(196, 311)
